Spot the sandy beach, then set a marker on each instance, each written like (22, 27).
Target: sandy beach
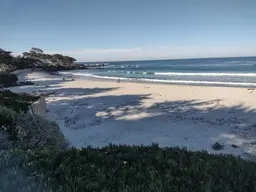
(98, 113)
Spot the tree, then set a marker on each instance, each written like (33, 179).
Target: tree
(36, 58)
(5, 53)
(25, 54)
(69, 60)
(5, 57)
(37, 50)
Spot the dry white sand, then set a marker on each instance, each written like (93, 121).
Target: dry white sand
(97, 113)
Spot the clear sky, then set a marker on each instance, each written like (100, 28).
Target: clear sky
(97, 30)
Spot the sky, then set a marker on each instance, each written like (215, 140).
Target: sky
(112, 30)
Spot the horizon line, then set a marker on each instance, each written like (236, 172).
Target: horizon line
(225, 57)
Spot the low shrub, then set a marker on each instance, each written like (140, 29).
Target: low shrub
(12, 175)
(7, 116)
(25, 130)
(123, 168)
(8, 79)
(28, 131)
(15, 101)
(35, 132)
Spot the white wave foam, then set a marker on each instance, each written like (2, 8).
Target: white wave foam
(189, 74)
(164, 80)
(207, 74)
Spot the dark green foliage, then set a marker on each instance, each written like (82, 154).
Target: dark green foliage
(47, 60)
(54, 68)
(5, 56)
(24, 63)
(16, 102)
(10, 63)
(7, 116)
(10, 103)
(24, 130)
(13, 177)
(36, 58)
(123, 168)
(8, 79)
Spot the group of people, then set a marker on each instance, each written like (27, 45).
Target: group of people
(64, 79)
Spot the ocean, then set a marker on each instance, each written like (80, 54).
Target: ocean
(238, 71)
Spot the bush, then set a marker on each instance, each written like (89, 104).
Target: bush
(8, 79)
(7, 116)
(27, 131)
(35, 132)
(17, 102)
(123, 168)
(23, 131)
(12, 175)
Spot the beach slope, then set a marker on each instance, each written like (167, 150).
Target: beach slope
(97, 113)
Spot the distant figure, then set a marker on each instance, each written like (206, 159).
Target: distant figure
(118, 81)
(63, 79)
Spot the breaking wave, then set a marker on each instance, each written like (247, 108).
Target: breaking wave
(228, 83)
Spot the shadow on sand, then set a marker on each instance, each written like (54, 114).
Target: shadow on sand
(125, 119)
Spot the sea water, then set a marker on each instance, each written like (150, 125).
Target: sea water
(237, 71)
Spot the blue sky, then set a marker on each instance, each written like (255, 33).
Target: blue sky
(98, 30)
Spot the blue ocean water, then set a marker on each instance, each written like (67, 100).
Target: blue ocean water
(239, 71)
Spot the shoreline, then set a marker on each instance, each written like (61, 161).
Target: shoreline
(96, 113)
(161, 81)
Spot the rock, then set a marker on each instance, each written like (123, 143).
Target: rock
(217, 146)
(234, 146)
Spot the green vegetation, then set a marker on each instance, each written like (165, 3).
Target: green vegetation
(17, 102)
(9, 63)
(13, 105)
(7, 116)
(13, 177)
(44, 59)
(34, 156)
(20, 134)
(36, 58)
(24, 130)
(8, 79)
(123, 168)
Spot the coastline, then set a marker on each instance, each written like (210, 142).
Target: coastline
(96, 113)
(81, 75)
